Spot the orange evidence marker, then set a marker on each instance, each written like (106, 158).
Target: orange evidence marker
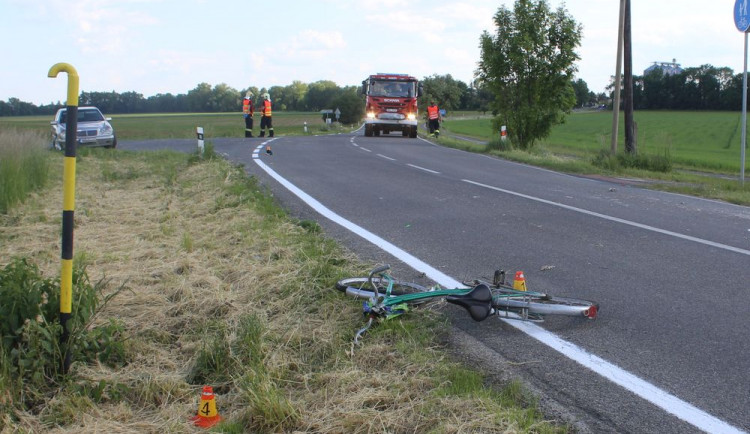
(207, 415)
(519, 282)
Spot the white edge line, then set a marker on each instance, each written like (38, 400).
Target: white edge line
(614, 219)
(670, 403)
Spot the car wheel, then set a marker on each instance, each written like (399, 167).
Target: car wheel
(114, 143)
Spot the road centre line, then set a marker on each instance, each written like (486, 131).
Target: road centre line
(387, 158)
(614, 219)
(422, 168)
(670, 403)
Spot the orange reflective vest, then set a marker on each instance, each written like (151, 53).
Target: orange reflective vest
(432, 112)
(266, 107)
(247, 106)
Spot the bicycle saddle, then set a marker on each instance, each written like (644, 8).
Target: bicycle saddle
(478, 302)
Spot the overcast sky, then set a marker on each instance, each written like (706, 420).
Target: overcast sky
(169, 46)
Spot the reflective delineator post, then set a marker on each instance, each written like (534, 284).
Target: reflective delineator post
(199, 133)
(69, 189)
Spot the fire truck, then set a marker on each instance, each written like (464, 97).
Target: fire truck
(391, 104)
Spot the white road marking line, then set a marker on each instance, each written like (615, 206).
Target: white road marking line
(422, 168)
(670, 403)
(387, 158)
(614, 219)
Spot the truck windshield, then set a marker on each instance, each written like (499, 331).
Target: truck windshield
(390, 88)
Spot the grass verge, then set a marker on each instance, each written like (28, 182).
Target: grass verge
(24, 165)
(217, 285)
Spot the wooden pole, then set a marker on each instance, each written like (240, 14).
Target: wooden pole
(618, 78)
(630, 136)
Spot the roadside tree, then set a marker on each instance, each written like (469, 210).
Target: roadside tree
(445, 90)
(528, 64)
(350, 104)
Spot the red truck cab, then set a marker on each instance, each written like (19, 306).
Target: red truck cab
(391, 104)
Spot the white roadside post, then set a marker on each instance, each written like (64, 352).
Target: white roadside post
(199, 133)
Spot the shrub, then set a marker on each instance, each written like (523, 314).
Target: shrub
(652, 163)
(498, 144)
(30, 349)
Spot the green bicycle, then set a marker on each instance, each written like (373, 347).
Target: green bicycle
(386, 297)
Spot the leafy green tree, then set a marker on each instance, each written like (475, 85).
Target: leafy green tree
(350, 104)
(582, 92)
(225, 98)
(444, 90)
(320, 95)
(199, 99)
(279, 98)
(528, 65)
(296, 93)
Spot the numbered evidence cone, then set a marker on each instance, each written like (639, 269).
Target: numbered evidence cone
(207, 415)
(519, 282)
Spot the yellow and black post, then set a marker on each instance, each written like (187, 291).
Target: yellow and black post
(69, 191)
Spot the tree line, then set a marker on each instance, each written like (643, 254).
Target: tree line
(701, 88)
(450, 94)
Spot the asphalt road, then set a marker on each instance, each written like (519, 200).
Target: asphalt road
(670, 352)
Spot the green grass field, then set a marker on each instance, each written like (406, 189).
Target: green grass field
(182, 125)
(701, 140)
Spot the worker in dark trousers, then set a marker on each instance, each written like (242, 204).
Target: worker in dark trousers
(265, 119)
(248, 111)
(433, 116)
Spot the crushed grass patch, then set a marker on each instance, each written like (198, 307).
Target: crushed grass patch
(219, 286)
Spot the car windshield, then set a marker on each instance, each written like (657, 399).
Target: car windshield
(83, 116)
(396, 89)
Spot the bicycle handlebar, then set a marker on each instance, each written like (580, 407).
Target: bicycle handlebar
(375, 271)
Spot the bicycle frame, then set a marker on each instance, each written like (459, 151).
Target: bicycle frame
(500, 293)
(480, 301)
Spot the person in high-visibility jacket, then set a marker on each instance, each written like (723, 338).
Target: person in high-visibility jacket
(247, 112)
(433, 119)
(265, 119)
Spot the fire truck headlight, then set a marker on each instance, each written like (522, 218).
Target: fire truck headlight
(370, 115)
(411, 116)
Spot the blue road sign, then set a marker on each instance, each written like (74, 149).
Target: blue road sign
(742, 15)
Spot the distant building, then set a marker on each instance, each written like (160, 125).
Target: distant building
(667, 68)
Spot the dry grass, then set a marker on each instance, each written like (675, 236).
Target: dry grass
(208, 271)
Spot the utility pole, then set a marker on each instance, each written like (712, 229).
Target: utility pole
(618, 80)
(630, 126)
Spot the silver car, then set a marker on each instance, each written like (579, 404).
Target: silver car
(93, 129)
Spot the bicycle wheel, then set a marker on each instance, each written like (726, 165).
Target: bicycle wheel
(360, 287)
(544, 305)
